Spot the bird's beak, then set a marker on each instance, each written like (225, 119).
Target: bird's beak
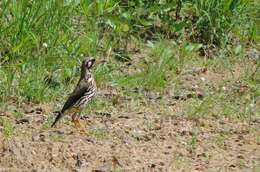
(100, 62)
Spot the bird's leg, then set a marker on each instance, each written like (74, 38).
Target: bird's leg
(77, 124)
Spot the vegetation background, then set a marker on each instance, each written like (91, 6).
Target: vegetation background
(201, 56)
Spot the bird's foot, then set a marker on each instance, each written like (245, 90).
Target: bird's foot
(79, 127)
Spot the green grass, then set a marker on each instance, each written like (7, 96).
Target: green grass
(48, 123)
(100, 133)
(229, 103)
(98, 105)
(193, 143)
(18, 115)
(43, 42)
(118, 169)
(220, 140)
(153, 75)
(57, 138)
(8, 129)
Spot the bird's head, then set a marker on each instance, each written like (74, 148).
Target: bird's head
(86, 66)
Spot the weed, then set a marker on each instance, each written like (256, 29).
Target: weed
(199, 108)
(103, 73)
(8, 129)
(118, 169)
(216, 18)
(154, 75)
(18, 115)
(258, 139)
(220, 140)
(48, 123)
(97, 105)
(57, 138)
(256, 166)
(193, 143)
(100, 133)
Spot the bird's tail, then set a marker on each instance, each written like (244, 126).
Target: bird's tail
(58, 117)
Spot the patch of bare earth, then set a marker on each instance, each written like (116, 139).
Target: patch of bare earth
(143, 140)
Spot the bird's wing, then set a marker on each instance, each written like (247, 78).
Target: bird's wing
(74, 97)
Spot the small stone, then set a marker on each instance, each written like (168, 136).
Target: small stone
(42, 137)
(200, 95)
(29, 111)
(240, 157)
(161, 163)
(232, 165)
(169, 147)
(189, 95)
(153, 165)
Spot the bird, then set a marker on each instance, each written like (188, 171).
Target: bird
(82, 94)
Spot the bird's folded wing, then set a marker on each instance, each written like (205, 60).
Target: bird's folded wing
(73, 98)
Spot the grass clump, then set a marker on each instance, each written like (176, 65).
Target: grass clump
(97, 105)
(100, 133)
(8, 129)
(154, 74)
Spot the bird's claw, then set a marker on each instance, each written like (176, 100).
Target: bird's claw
(79, 127)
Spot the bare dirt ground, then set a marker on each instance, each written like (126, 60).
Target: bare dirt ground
(153, 136)
(132, 141)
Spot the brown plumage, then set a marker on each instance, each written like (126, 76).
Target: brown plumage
(84, 91)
